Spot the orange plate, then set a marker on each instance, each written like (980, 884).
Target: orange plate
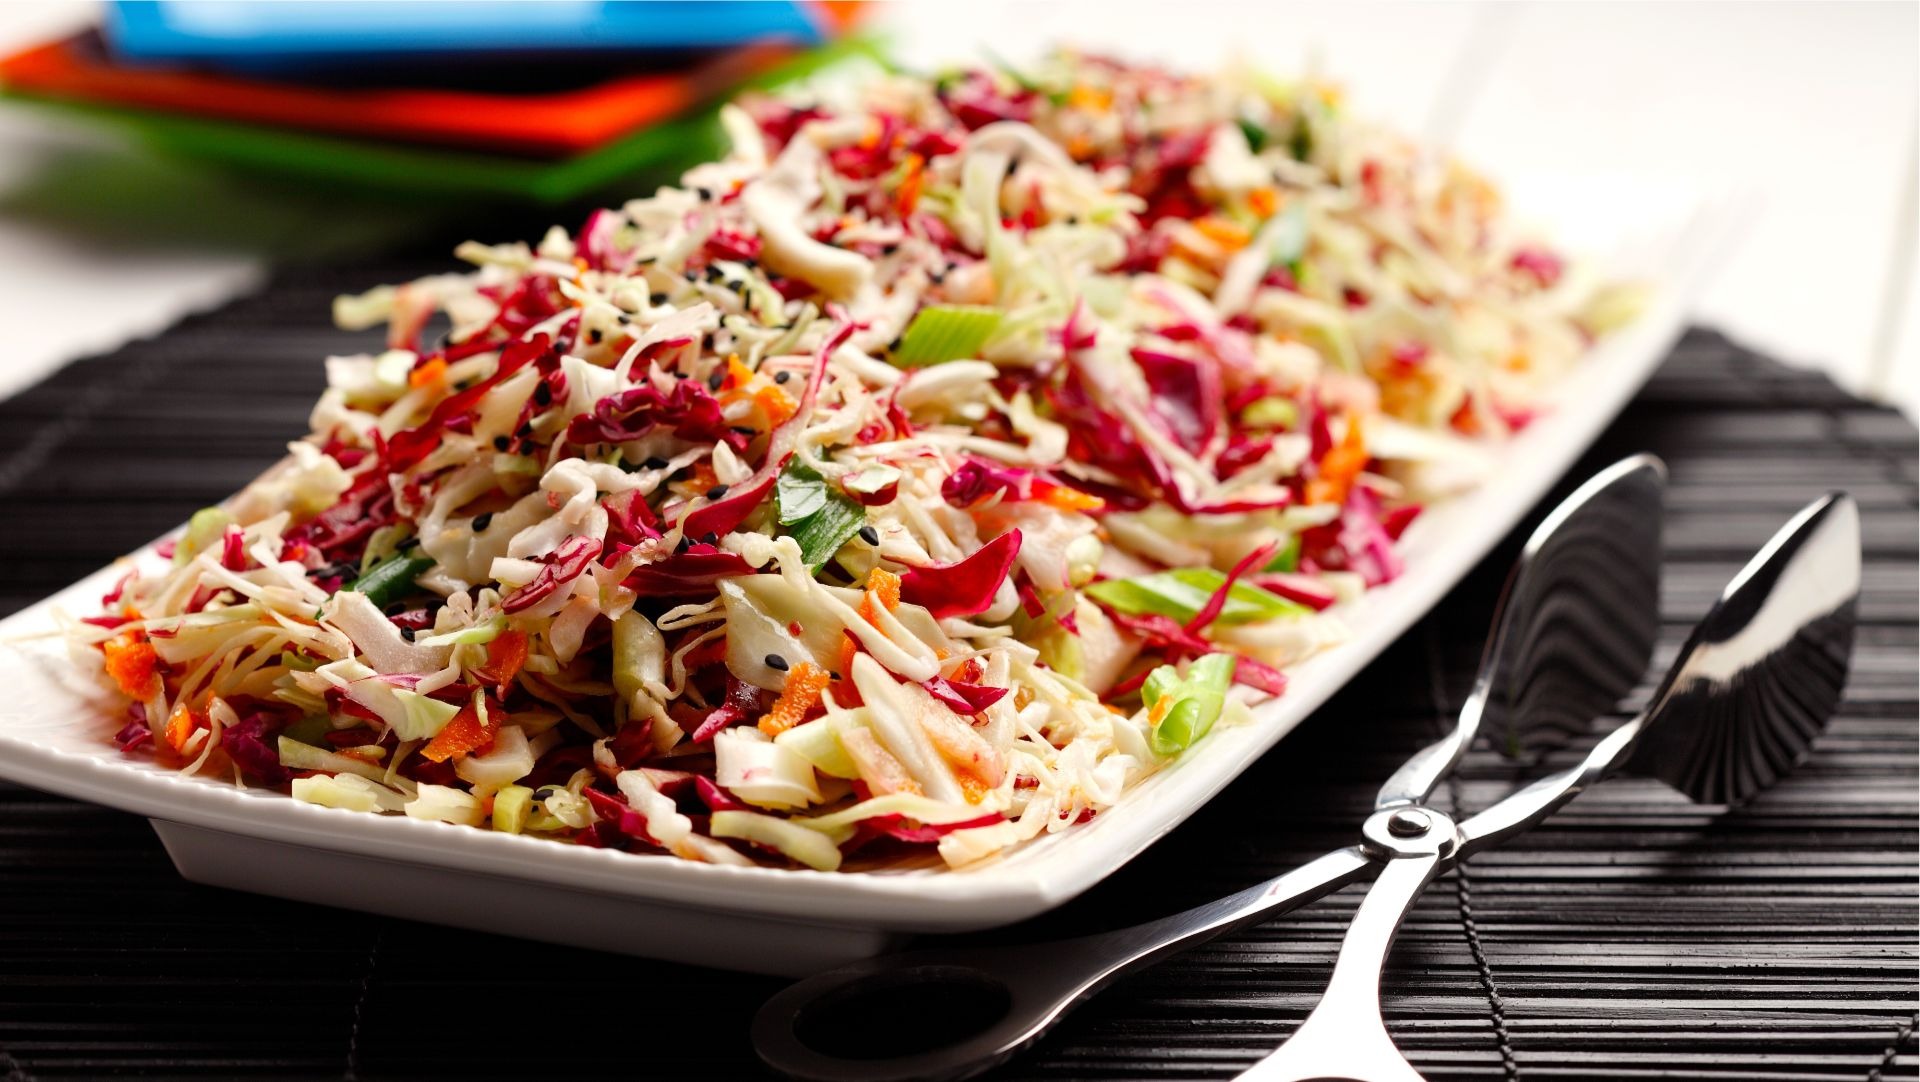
(546, 125)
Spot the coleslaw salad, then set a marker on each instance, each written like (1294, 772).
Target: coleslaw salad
(908, 484)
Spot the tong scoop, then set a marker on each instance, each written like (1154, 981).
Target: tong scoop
(1754, 685)
(1574, 630)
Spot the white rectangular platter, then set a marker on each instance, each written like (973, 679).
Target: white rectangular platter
(55, 723)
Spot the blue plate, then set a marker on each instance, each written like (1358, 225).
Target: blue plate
(257, 35)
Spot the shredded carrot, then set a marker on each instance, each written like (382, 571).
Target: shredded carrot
(913, 174)
(1222, 232)
(797, 696)
(1465, 420)
(462, 736)
(1263, 201)
(506, 654)
(1094, 98)
(1079, 147)
(434, 371)
(777, 404)
(1339, 467)
(884, 586)
(180, 726)
(133, 665)
(702, 478)
(738, 375)
(580, 269)
(971, 787)
(1068, 498)
(849, 646)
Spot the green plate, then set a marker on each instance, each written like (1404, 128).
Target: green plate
(418, 171)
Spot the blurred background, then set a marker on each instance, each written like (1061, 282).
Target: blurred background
(158, 158)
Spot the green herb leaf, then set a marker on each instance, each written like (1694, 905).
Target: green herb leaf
(946, 332)
(816, 513)
(1182, 593)
(1301, 145)
(1256, 135)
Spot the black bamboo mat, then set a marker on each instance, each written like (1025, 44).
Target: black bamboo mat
(1635, 936)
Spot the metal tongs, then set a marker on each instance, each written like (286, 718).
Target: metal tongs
(1753, 686)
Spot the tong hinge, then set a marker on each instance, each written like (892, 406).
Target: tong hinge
(1411, 831)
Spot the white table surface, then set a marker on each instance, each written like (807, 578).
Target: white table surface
(1810, 106)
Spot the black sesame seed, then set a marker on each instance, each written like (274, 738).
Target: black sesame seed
(406, 633)
(657, 298)
(715, 381)
(744, 430)
(501, 443)
(894, 346)
(710, 539)
(655, 463)
(594, 337)
(889, 249)
(782, 377)
(525, 430)
(937, 277)
(481, 522)
(543, 394)
(870, 535)
(683, 546)
(776, 662)
(703, 193)
(716, 492)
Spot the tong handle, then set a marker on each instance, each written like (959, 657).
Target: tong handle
(1345, 1038)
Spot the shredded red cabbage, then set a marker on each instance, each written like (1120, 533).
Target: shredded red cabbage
(687, 574)
(964, 588)
(962, 697)
(563, 565)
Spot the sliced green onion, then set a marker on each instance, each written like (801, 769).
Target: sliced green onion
(1181, 594)
(384, 543)
(390, 581)
(479, 633)
(816, 513)
(1271, 412)
(1193, 702)
(511, 806)
(946, 332)
(206, 526)
(311, 730)
(1288, 558)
